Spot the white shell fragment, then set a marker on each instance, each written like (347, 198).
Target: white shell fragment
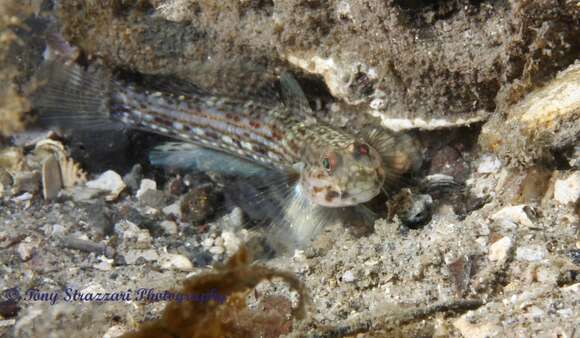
(488, 164)
(175, 261)
(568, 190)
(51, 178)
(514, 214)
(109, 181)
(499, 250)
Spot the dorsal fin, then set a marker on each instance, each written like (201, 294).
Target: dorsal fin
(293, 96)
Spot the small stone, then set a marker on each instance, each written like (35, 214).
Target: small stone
(531, 253)
(51, 178)
(348, 277)
(144, 239)
(173, 210)
(231, 242)
(115, 331)
(105, 264)
(83, 194)
(499, 250)
(568, 190)
(514, 214)
(25, 250)
(175, 261)
(217, 250)
(476, 330)
(146, 184)
(132, 256)
(488, 164)
(5, 178)
(26, 182)
(153, 198)
(208, 242)
(133, 177)
(218, 241)
(198, 204)
(109, 181)
(23, 198)
(169, 227)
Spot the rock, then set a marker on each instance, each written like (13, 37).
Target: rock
(51, 178)
(514, 214)
(568, 190)
(109, 181)
(531, 253)
(23, 198)
(231, 242)
(105, 264)
(208, 242)
(84, 194)
(146, 184)
(115, 331)
(175, 261)
(133, 255)
(25, 250)
(133, 177)
(217, 250)
(144, 239)
(173, 210)
(488, 164)
(5, 178)
(26, 182)
(169, 227)
(153, 198)
(499, 250)
(348, 277)
(471, 329)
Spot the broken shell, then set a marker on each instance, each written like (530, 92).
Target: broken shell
(51, 178)
(109, 181)
(71, 173)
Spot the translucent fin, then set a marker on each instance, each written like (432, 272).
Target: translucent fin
(293, 96)
(65, 95)
(187, 156)
(401, 154)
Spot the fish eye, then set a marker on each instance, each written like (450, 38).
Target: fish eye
(329, 162)
(326, 164)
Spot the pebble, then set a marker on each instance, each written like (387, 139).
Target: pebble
(146, 184)
(217, 250)
(499, 250)
(133, 255)
(23, 198)
(208, 242)
(153, 198)
(83, 194)
(348, 277)
(568, 190)
(231, 242)
(488, 164)
(144, 239)
(51, 178)
(169, 227)
(476, 330)
(105, 264)
(25, 250)
(514, 214)
(530, 253)
(109, 181)
(133, 177)
(173, 209)
(115, 331)
(175, 261)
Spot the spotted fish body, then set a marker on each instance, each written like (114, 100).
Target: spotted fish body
(268, 134)
(338, 171)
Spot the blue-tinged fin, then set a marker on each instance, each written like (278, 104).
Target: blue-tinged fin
(187, 156)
